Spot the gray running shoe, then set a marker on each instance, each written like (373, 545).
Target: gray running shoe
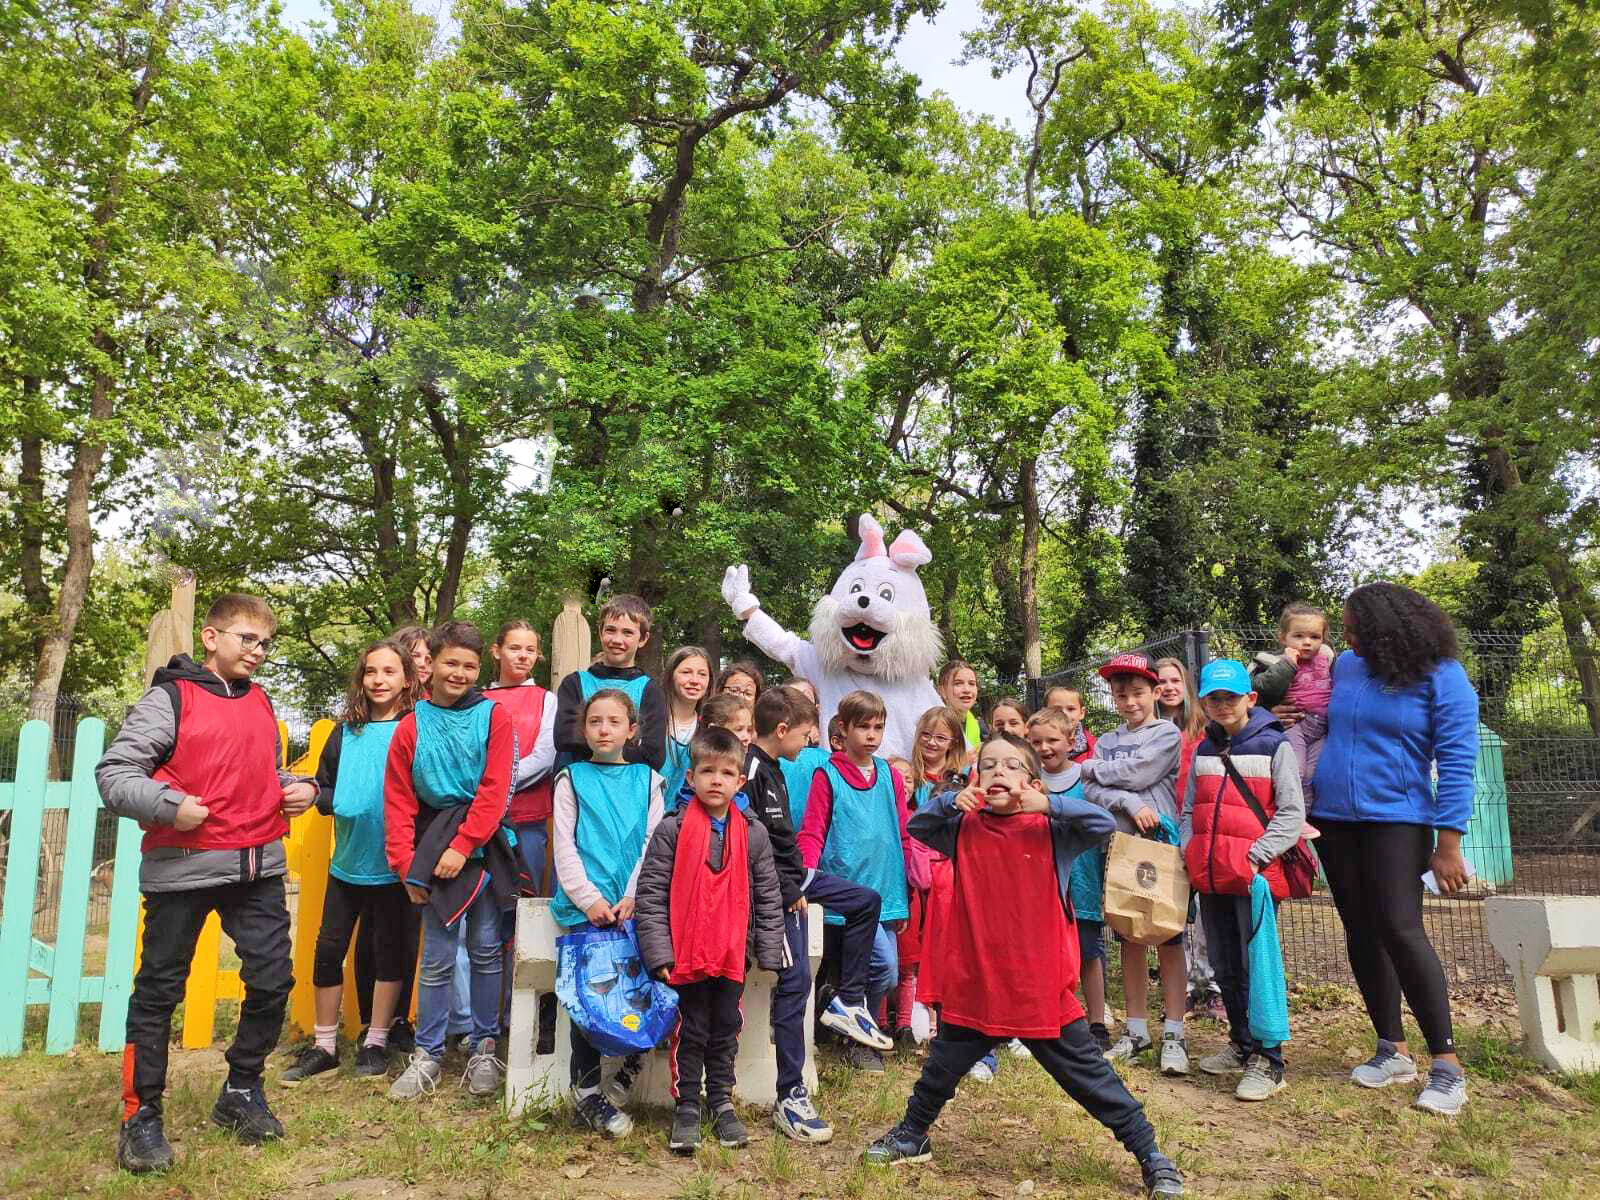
(1261, 1080)
(1127, 1048)
(484, 1072)
(1230, 1060)
(420, 1078)
(1387, 1066)
(1446, 1092)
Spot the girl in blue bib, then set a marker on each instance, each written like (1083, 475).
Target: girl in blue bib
(361, 885)
(605, 811)
(688, 679)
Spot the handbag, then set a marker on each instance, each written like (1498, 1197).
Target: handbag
(1147, 891)
(1298, 862)
(602, 983)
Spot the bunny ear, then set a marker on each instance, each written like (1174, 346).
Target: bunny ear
(910, 551)
(871, 538)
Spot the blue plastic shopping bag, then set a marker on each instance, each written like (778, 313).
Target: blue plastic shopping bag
(602, 983)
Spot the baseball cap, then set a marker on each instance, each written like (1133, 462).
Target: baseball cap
(1130, 664)
(1225, 675)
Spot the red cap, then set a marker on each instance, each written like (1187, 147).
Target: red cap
(1130, 664)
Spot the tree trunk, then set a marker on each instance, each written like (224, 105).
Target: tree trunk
(1574, 604)
(1028, 571)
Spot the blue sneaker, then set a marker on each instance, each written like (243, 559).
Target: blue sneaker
(898, 1147)
(796, 1117)
(855, 1022)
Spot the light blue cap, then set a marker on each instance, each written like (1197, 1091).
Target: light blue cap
(1225, 675)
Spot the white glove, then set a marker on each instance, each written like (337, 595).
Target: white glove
(736, 591)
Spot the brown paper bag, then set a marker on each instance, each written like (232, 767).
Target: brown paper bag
(1147, 890)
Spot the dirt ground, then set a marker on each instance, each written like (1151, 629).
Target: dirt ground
(1525, 1133)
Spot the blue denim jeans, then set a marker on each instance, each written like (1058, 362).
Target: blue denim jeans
(884, 971)
(480, 930)
(532, 839)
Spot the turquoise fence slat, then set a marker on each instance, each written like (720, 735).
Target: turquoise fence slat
(124, 920)
(22, 880)
(77, 867)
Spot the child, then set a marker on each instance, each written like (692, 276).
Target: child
(1303, 634)
(732, 711)
(709, 898)
(196, 764)
(624, 630)
(785, 722)
(1008, 716)
(742, 678)
(533, 717)
(855, 829)
(414, 638)
(605, 811)
(1176, 702)
(1069, 702)
(1133, 773)
(798, 773)
(1008, 960)
(1226, 844)
(958, 686)
(360, 884)
(447, 785)
(938, 755)
(1050, 733)
(688, 679)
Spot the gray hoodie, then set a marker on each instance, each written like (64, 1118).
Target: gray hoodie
(1132, 768)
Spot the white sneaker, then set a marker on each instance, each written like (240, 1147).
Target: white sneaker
(796, 1117)
(420, 1078)
(981, 1071)
(1387, 1066)
(1127, 1048)
(1018, 1050)
(1174, 1055)
(856, 1023)
(1446, 1093)
(1260, 1080)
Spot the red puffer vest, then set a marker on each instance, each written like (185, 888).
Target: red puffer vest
(227, 754)
(1224, 828)
(525, 706)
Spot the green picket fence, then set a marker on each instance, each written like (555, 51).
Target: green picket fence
(34, 972)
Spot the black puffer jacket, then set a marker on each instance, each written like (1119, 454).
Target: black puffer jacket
(765, 941)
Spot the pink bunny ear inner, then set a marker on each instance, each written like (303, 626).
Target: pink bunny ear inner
(871, 538)
(909, 550)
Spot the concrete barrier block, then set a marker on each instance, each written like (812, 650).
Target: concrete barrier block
(1552, 946)
(535, 1079)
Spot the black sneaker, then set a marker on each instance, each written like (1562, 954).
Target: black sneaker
(1161, 1178)
(1101, 1036)
(685, 1135)
(372, 1060)
(905, 1042)
(730, 1131)
(312, 1060)
(402, 1037)
(547, 1024)
(600, 1115)
(142, 1143)
(898, 1147)
(245, 1112)
(863, 1058)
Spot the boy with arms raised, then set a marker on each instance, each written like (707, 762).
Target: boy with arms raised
(1134, 773)
(624, 630)
(1009, 957)
(196, 764)
(708, 901)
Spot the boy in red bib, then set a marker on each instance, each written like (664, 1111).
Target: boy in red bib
(708, 901)
(1009, 953)
(196, 764)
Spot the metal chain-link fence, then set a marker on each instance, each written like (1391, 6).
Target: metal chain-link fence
(1536, 821)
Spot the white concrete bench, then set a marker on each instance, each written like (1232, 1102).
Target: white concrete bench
(543, 1078)
(1552, 945)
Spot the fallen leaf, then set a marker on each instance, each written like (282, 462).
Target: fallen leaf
(576, 1171)
(1025, 1188)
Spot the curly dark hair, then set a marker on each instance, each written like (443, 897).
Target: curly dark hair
(1401, 633)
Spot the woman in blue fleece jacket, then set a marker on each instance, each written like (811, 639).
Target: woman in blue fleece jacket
(1402, 705)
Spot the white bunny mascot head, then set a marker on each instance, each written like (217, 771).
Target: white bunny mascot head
(872, 631)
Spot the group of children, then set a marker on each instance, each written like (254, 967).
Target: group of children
(961, 889)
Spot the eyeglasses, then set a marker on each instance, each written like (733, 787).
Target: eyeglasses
(937, 739)
(251, 641)
(1010, 764)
